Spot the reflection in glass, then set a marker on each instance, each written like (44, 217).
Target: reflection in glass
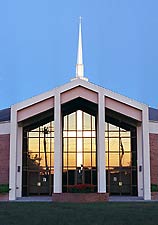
(38, 160)
(120, 146)
(79, 149)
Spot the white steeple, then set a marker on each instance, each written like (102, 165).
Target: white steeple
(79, 65)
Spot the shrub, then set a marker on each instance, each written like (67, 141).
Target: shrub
(154, 188)
(81, 188)
(4, 188)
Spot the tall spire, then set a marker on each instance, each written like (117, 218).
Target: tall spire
(79, 65)
(79, 56)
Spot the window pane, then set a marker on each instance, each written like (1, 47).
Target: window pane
(106, 159)
(52, 160)
(113, 134)
(93, 144)
(87, 144)
(114, 144)
(93, 159)
(71, 134)
(126, 144)
(87, 159)
(93, 123)
(106, 145)
(72, 159)
(72, 121)
(125, 134)
(33, 145)
(65, 144)
(113, 127)
(34, 134)
(65, 123)
(126, 159)
(87, 133)
(52, 144)
(72, 145)
(33, 161)
(113, 159)
(47, 144)
(87, 121)
(65, 159)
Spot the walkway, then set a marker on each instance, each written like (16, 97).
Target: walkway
(125, 199)
(4, 198)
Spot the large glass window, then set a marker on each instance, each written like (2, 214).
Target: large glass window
(79, 152)
(121, 162)
(38, 160)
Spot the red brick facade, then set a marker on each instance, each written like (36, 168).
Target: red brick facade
(80, 197)
(154, 158)
(4, 158)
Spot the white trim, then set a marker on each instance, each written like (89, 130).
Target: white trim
(153, 127)
(101, 145)
(57, 145)
(5, 128)
(146, 155)
(83, 83)
(139, 161)
(19, 163)
(13, 155)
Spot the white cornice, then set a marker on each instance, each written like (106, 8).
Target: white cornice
(85, 84)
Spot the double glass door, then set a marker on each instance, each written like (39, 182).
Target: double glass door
(38, 160)
(121, 159)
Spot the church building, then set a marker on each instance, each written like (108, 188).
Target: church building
(79, 137)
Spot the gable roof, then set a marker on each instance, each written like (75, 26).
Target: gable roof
(79, 83)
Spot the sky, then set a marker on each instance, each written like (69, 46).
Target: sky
(39, 39)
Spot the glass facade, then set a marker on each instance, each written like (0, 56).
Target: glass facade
(79, 152)
(38, 160)
(79, 156)
(121, 159)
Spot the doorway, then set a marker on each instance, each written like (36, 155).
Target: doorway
(121, 159)
(38, 160)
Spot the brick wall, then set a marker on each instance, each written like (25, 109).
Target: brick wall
(4, 158)
(154, 158)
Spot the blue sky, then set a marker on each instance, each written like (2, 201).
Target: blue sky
(38, 46)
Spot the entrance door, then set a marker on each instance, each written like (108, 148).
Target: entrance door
(121, 161)
(120, 181)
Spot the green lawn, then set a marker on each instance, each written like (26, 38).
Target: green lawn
(111, 213)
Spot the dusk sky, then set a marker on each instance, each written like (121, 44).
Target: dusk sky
(38, 46)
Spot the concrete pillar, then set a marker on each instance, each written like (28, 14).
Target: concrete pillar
(13, 154)
(57, 145)
(19, 162)
(140, 161)
(146, 155)
(101, 144)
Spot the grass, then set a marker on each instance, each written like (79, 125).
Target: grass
(111, 213)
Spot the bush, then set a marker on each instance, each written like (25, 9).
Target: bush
(81, 188)
(4, 188)
(154, 188)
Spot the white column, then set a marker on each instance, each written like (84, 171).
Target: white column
(57, 145)
(140, 161)
(13, 152)
(101, 144)
(146, 155)
(19, 162)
